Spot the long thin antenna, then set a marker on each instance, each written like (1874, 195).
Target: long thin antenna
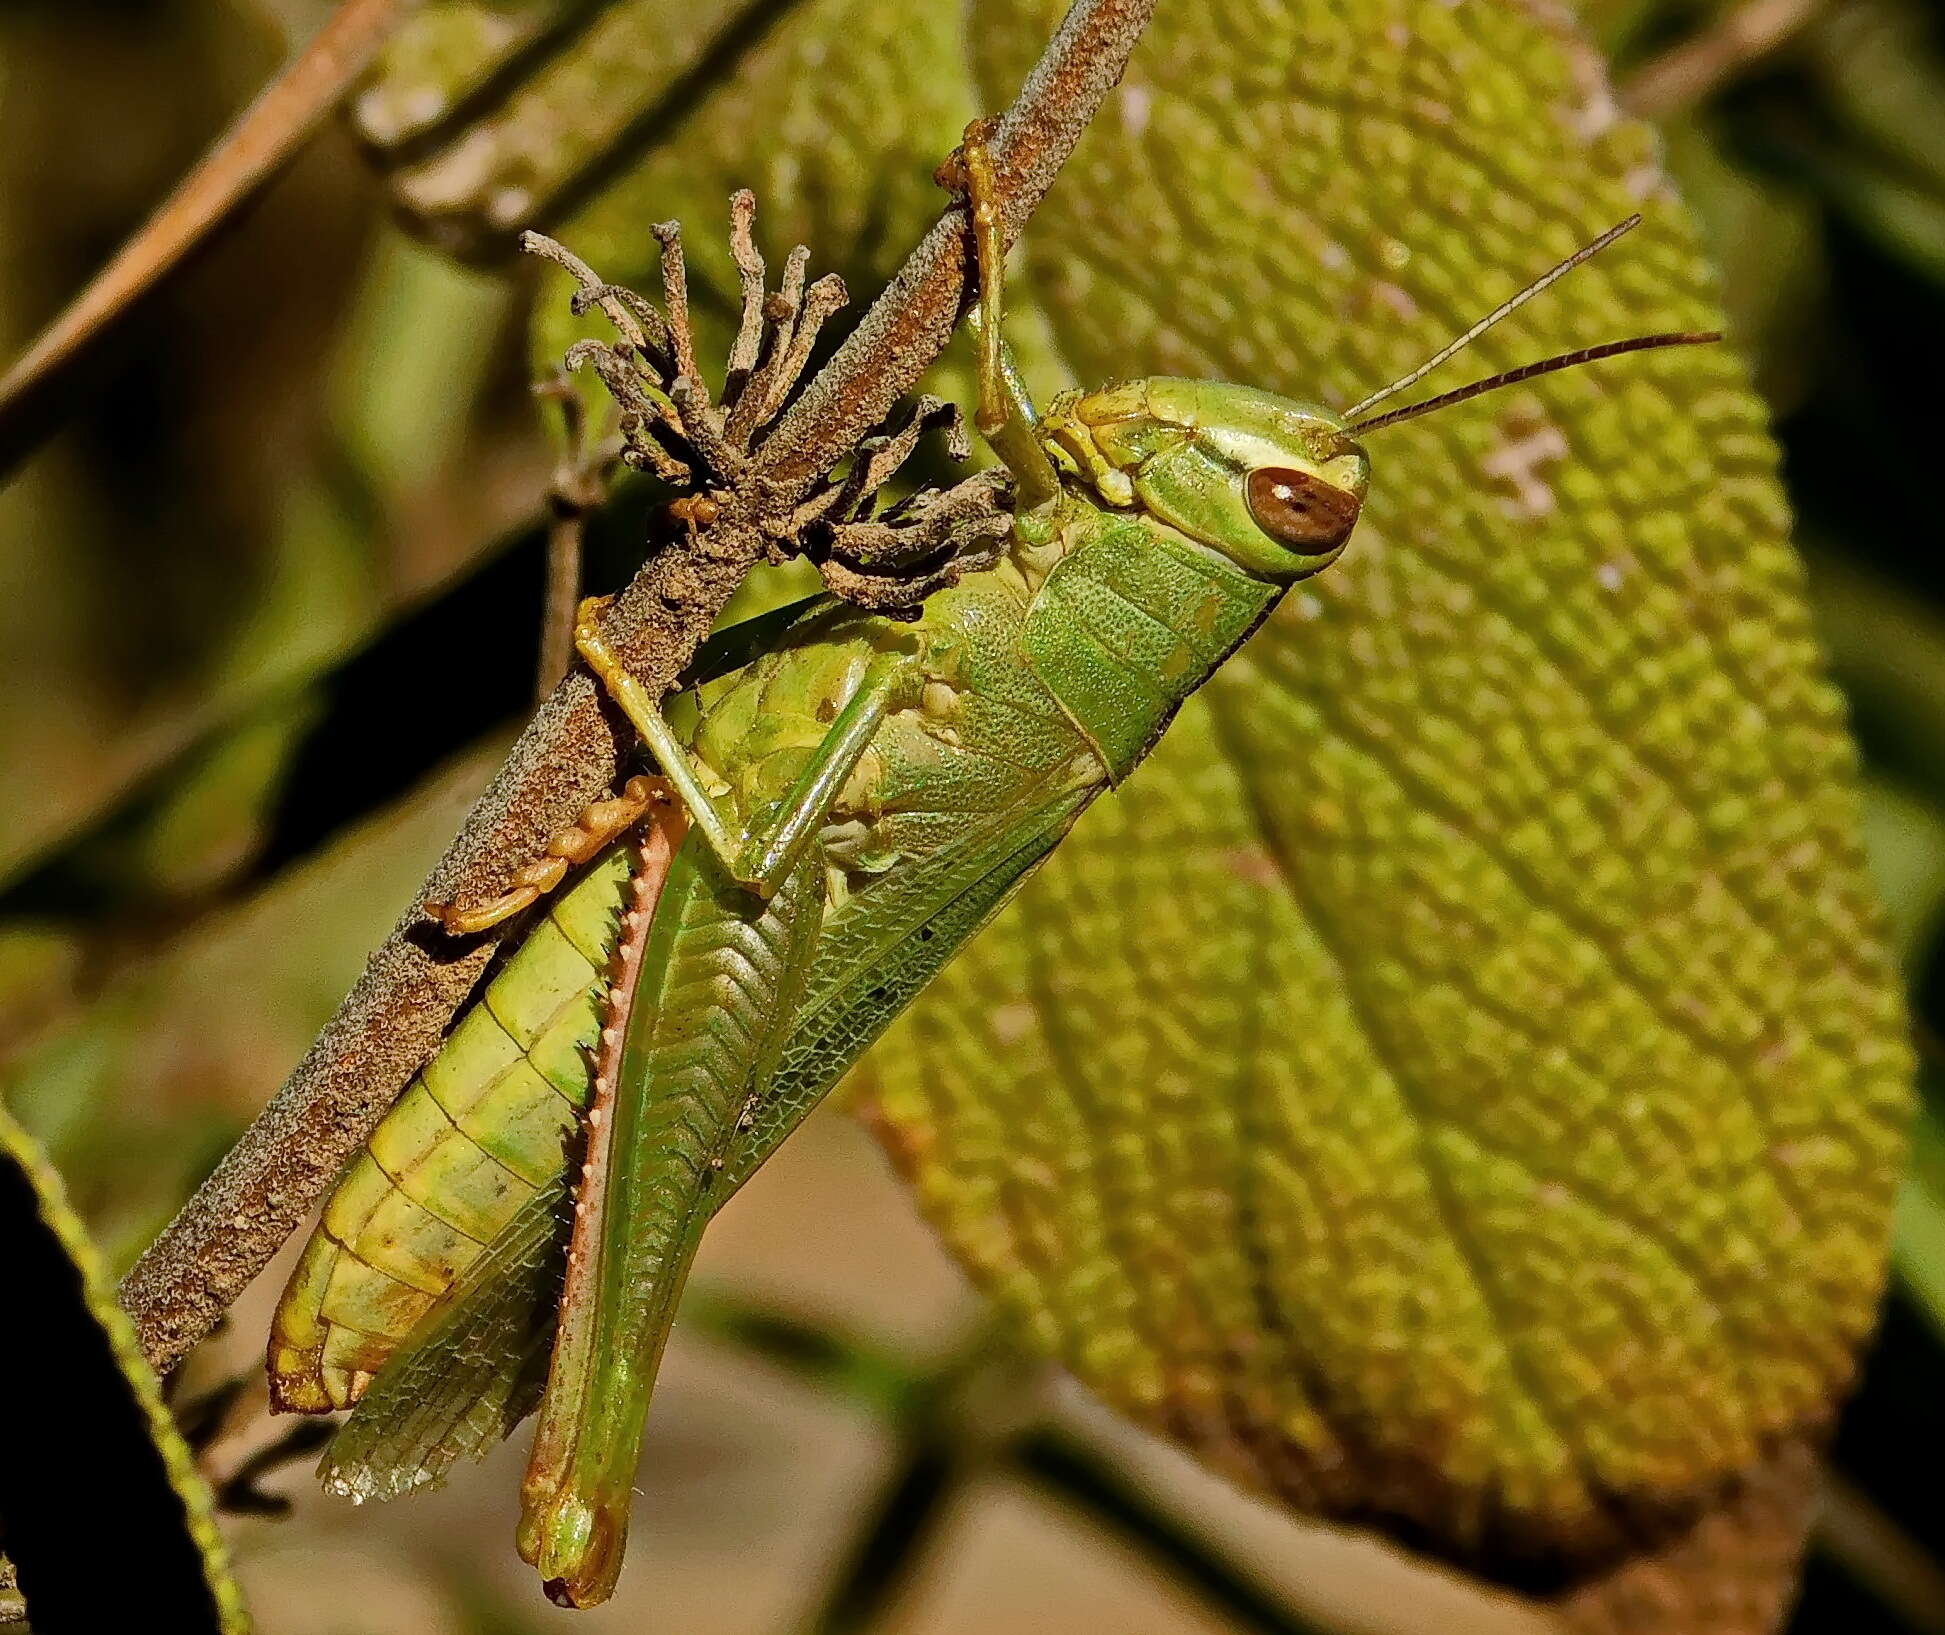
(1546, 366)
(1503, 310)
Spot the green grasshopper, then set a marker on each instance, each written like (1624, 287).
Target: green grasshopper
(860, 795)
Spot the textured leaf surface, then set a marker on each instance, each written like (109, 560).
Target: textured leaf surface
(1459, 1081)
(108, 1520)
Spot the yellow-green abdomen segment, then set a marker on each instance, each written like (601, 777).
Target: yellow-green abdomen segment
(478, 1131)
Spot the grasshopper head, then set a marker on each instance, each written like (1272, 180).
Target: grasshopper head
(1274, 485)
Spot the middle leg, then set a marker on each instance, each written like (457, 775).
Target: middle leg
(760, 856)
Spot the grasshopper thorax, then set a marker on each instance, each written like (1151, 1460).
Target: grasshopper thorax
(1272, 484)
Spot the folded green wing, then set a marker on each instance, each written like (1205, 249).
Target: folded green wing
(473, 1367)
(470, 1372)
(476, 1136)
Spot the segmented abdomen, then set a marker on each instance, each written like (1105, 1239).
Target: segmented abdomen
(474, 1135)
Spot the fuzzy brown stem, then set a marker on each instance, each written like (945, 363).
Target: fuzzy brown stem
(909, 324)
(570, 752)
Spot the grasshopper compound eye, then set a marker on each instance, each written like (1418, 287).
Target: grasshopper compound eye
(1300, 510)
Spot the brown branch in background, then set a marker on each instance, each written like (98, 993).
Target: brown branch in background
(978, 1411)
(565, 527)
(578, 486)
(1684, 74)
(1876, 1552)
(264, 137)
(398, 1011)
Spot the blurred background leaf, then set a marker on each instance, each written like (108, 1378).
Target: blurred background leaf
(136, 1484)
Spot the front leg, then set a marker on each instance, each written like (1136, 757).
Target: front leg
(760, 857)
(1006, 416)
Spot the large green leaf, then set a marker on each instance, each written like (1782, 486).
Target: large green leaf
(1460, 1081)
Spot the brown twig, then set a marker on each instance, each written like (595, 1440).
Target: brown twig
(579, 485)
(1684, 74)
(565, 528)
(1875, 1551)
(262, 140)
(911, 322)
(570, 752)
